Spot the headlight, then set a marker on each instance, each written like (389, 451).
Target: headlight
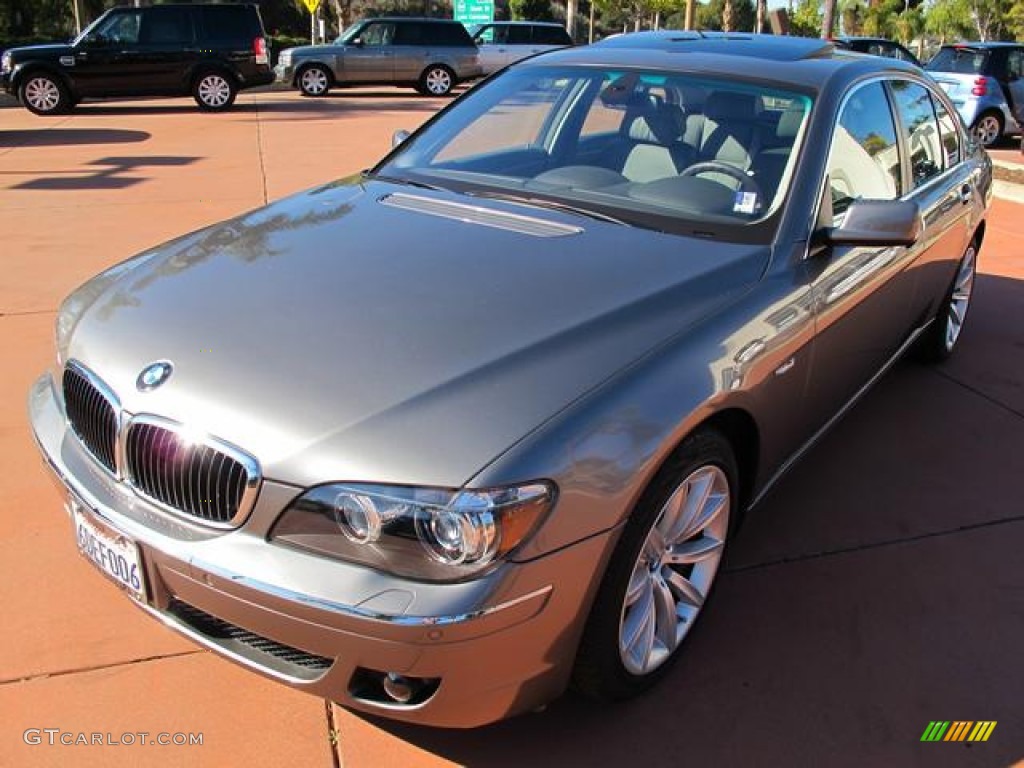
(421, 533)
(5, 63)
(285, 57)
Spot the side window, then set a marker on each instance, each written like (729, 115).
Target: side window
(920, 131)
(484, 35)
(519, 35)
(121, 28)
(551, 36)
(166, 26)
(228, 22)
(864, 162)
(948, 132)
(378, 34)
(409, 33)
(1015, 65)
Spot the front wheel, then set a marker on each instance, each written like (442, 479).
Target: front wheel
(988, 129)
(437, 80)
(214, 91)
(44, 94)
(314, 81)
(939, 341)
(661, 572)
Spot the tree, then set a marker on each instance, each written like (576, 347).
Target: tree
(711, 15)
(805, 20)
(531, 10)
(948, 20)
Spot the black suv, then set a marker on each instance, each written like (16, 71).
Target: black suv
(209, 51)
(876, 46)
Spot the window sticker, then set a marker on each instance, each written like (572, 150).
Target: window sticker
(746, 202)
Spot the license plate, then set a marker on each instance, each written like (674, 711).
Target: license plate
(113, 553)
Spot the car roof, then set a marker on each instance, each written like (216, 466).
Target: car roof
(807, 62)
(862, 39)
(417, 19)
(979, 44)
(521, 24)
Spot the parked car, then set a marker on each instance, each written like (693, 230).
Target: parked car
(209, 51)
(503, 42)
(876, 46)
(986, 83)
(430, 55)
(434, 440)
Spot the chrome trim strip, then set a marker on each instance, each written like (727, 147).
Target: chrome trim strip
(481, 215)
(362, 613)
(112, 400)
(248, 463)
(838, 415)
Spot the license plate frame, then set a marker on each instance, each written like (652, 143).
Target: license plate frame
(111, 552)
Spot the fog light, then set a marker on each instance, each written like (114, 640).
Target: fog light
(399, 688)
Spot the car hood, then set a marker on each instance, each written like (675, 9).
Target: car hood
(49, 51)
(365, 331)
(314, 50)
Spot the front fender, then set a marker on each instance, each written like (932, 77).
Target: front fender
(20, 71)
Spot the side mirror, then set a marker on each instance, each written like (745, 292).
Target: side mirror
(358, 42)
(399, 136)
(876, 222)
(95, 40)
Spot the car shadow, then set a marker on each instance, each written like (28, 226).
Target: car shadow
(56, 137)
(109, 173)
(875, 590)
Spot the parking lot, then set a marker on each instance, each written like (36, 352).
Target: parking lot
(878, 588)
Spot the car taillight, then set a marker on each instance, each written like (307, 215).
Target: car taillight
(980, 87)
(259, 47)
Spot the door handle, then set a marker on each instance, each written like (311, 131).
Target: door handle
(965, 194)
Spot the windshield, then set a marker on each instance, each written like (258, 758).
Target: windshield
(963, 61)
(670, 151)
(350, 34)
(88, 30)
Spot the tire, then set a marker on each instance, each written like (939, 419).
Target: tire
(632, 638)
(988, 129)
(44, 94)
(313, 80)
(436, 80)
(940, 340)
(214, 90)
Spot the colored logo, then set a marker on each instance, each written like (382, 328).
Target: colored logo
(958, 730)
(153, 375)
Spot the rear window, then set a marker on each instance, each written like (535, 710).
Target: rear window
(963, 61)
(230, 22)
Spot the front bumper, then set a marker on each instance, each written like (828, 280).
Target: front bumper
(499, 645)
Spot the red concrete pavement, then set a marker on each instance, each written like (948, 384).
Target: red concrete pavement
(878, 588)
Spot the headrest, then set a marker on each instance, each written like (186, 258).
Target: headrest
(729, 105)
(661, 124)
(789, 123)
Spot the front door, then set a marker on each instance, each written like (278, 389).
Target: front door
(106, 60)
(370, 60)
(862, 295)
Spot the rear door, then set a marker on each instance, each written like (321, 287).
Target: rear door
(167, 48)
(409, 50)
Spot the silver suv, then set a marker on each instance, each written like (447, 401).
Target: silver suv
(506, 42)
(430, 55)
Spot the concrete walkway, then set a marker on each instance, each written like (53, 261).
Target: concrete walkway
(880, 587)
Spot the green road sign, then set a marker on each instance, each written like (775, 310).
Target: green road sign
(474, 11)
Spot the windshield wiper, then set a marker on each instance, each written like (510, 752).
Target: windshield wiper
(400, 180)
(540, 202)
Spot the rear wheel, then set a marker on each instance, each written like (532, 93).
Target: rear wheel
(941, 338)
(314, 81)
(988, 129)
(436, 80)
(661, 572)
(214, 91)
(44, 94)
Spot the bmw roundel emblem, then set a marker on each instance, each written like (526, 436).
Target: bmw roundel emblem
(153, 375)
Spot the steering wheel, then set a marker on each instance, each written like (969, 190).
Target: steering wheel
(747, 183)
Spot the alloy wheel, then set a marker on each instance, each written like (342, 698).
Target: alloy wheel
(674, 570)
(960, 299)
(313, 82)
(214, 91)
(42, 94)
(988, 130)
(438, 81)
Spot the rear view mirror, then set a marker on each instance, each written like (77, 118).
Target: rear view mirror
(399, 136)
(877, 222)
